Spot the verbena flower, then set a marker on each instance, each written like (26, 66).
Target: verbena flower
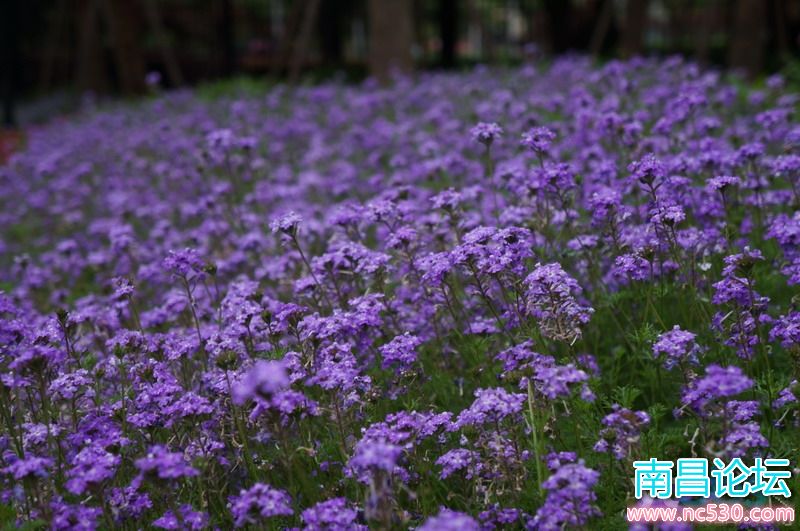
(570, 501)
(621, 430)
(185, 262)
(258, 503)
(400, 351)
(786, 330)
(718, 382)
(447, 520)
(336, 514)
(186, 518)
(91, 466)
(677, 347)
(486, 133)
(162, 464)
(287, 224)
(29, 467)
(552, 299)
(648, 170)
(455, 301)
(263, 379)
(538, 139)
(459, 460)
(372, 455)
(491, 406)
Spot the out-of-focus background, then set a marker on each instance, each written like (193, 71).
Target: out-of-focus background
(57, 53)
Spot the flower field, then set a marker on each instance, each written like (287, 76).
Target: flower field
(465, 301)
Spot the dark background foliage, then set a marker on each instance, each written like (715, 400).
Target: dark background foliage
(55, 51)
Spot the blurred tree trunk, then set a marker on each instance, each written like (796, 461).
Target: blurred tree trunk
(331, 32)
(479, 19)
(89, 62)
(56, 24)
(748, 37)
(634, 26)
(601, 27)
(448, 31)
(10, 62)
(286, 44)
(559, 22)
(125, 31)
(539, 29)
(171, 64)
(303, 42)
(391, 37)
(781, 37)
(703, 29)
(226, 37)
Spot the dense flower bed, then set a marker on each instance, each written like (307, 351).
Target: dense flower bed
(463, 302)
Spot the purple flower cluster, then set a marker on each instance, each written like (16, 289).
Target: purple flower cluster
(570, 501)
(335, 514)
(735, 421)
(421, 305)
(400, 351)
(552, 299)
(678, 347)
(447, 520)
(621, 430)
(486, 133)
(258, 503)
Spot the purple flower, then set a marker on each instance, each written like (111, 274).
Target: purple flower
(184, 263)
(335, 514)
(606, 207)
(70, 385)
(74, 517)
(629, 267)
(739, 326)
(187, 518)
(551, 299)
(497, 517)
(160, 351)
(786, 330)
(375, 455)
(128, 503)
(786, 396)
(570, 500)
(123, 287)
(648, 169)
(264, 379)
(556, 460)
(486, 133)
(448, 520)
(723, 182)
(91, 466)
(538, 139)
(448, 199)
(718, 382)
(153, 79)
(407, 428)
(162, 464)
(29, 467)
(458, 460)
(400, 351)
(557, 381)
(287, 224)
(491, 406)
(621, 431)
(259, 502)
(741, 432)
(677, 346)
